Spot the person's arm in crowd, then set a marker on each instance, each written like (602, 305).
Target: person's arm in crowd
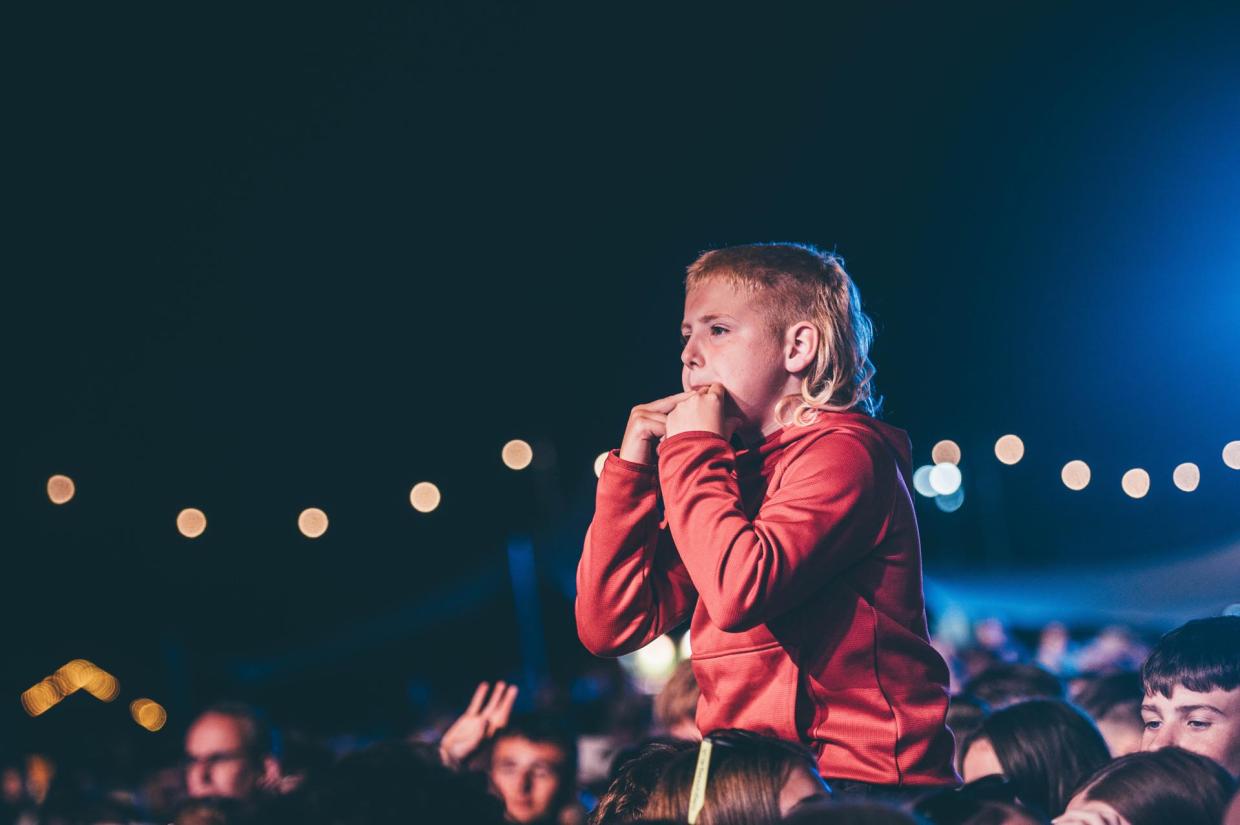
(832, 507)
(477, 724)
(631, 584)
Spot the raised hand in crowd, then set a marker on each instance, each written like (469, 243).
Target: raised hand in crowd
(478, 723)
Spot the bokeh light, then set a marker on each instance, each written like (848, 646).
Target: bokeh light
(148, 713)
(191, 522)
(652, 665)
(945, 478)
(686, 647)
(951, 503)
(921, 481)
(424, 497)
(60, 489)
(517, 454)
(1231, 455)
(41, 698)
(1075, 475)
(1136, 482)
(946, 452)
(1187, 476)
(312, 522)
(599, 462)
(1009, 449)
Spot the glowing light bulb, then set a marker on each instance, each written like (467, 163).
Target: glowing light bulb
(1009, 449)
(1231, 455)
(191, 522)
(1136, 483)
(60, 489)
(945, 478)
(1075, 475)
(1186, 476)
(946, 452)
(424, 497)
(517, 454)
(921, 481)
(312, 522)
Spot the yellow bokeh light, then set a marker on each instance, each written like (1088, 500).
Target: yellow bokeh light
(946, 452)
(1136, 483)
(73, 675)
(599, 462)
(148, 713)
(102, 685)
(1075, 475)
(424, 497)
(191, 522)
(1187, 476)
(1231, 455)
(60, 489)
(1009, 449)
(41, 698)
(517, 454)
(312, 522)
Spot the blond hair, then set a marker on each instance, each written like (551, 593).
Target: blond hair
(797, 282)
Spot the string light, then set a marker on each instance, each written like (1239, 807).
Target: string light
(424, 497)
(191, 522)
(517, 454)
(1009, 449)
(1186, 476)
(312, 522)
(1075, 475)
(946, 452)
(1136, 483)
(60, 489)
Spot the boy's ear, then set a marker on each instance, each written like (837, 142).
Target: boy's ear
(800, 346)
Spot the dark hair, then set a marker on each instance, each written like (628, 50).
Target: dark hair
(1170, 785)
(1045, 747)
(260, 737)
(965, 715)
(542, 728)
(1005, 684)
(850, 813)
(1203, 655)
(399, 782)
(747, 774)
(1110, 693)
(635, 777)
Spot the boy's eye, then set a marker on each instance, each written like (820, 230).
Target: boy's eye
(1198, 724)
(718, 330)
(1153, 724)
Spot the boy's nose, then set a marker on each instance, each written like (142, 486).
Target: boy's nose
(690, 356)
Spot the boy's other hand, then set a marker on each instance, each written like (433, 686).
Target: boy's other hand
(647, 426)
(478, 723)
(702, 411)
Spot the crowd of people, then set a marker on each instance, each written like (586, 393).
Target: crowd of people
(1112, 747)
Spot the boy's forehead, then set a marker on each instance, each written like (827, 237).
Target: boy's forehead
(1181, 695)
(717, 297)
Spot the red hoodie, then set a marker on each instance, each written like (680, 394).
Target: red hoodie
(800, 561)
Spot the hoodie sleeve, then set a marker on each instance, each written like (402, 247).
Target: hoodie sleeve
(631, 584)
(830, 509)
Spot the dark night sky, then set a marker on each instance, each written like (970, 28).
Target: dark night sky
(262, 260)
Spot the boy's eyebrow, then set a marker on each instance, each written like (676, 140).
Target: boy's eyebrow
(704, 319)
(1190, 708)
(1151, 708)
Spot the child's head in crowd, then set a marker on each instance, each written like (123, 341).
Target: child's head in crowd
(1167, 787)
(1192, 691)
(751, 778)
(1043, 747)
(780, 326)
(533, 766)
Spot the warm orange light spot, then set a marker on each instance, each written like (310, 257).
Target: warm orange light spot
(312, 522)
(148, 713)
(60, 489)
(1187, 476)
(1075, 475)
(1136, 483)
(946, 452)
(1231, 455)
(517, 454)
(191, 523)
(1009, 449)
(424, 497)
